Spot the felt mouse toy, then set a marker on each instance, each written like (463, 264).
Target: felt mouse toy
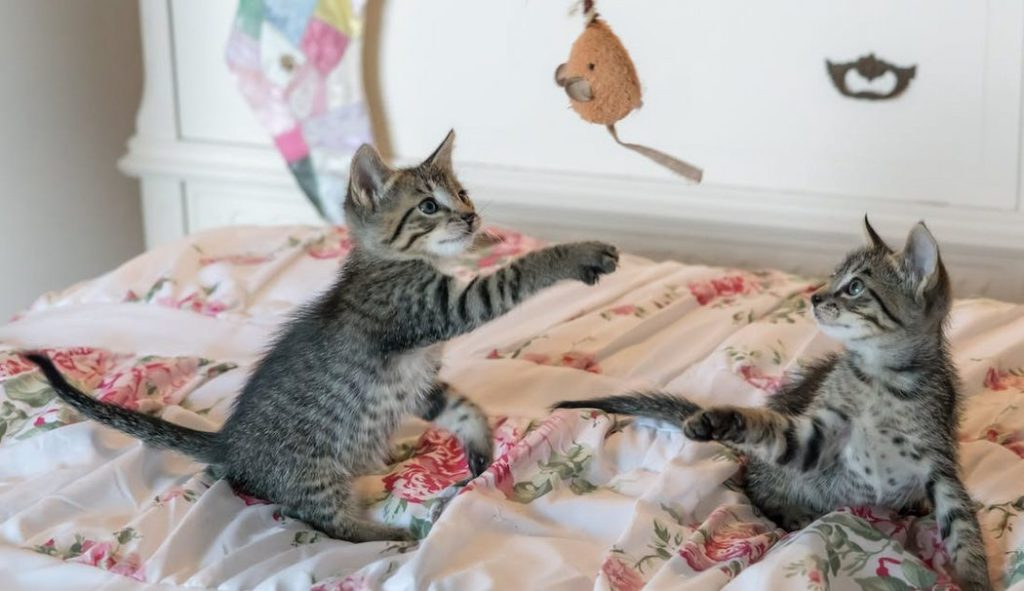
(603, 87)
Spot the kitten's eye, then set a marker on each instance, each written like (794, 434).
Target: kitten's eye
(855, 287)
(428, 206)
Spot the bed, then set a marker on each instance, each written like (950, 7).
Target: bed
(574, 499)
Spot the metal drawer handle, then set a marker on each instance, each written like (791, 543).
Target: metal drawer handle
(870, 68)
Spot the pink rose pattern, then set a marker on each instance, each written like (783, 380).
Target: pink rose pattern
(105, 555)
(195, 302)
(1011, 439)
(162, 293)
(438, 463)
(509, 246)
(756, 377)
(726, 290)
(13, 365)
(249, 500)
(570, 359)
(723, 537)
(620, 576)
(999, 380)
(334, 244)
(150, 385)
(533, 439)
(918, 535)
(354, 582)
(624, 310)
(747, 363)
(506, 435)
(108, 555)
(669, 295)
(145, 384)
(85, 366)
(706, 292)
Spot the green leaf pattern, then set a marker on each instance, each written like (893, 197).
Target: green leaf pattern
(569, 468)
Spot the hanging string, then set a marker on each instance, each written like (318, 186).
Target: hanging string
(589, 12)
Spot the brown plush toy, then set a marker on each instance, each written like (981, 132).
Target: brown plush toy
(603, 87)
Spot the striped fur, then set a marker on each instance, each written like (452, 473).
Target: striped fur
(874, 425)
(322, 404)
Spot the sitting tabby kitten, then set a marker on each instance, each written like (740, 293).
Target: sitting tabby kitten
(873, 425)
(320, 407)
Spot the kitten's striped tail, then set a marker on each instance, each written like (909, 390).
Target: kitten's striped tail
(655, 405)
(201, 445)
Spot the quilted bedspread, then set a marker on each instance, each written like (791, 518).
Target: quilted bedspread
(574, 499)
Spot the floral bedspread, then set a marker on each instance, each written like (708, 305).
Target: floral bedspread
(574, 500)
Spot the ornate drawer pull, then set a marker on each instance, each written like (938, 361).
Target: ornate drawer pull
(870, 68)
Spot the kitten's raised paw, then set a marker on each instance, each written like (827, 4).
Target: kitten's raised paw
(594, 259)
(715, 424)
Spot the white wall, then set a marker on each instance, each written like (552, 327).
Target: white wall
(71, 77)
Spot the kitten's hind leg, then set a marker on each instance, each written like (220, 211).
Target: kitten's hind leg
(771, 489)
(459, 415)
(330, 507)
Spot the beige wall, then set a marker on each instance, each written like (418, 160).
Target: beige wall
(70, 82)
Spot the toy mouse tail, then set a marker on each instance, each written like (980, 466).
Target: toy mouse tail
(684, 169)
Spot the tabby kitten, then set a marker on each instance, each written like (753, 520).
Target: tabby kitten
(875, 424)
(322, 404)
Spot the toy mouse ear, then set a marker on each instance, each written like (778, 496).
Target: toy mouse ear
(578, 89)
(560, 75)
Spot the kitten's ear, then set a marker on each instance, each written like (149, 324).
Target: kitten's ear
(442, 156)
(367, 177)
(874, 240)
(921, 257)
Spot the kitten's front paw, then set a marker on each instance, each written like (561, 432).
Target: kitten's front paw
(592, 260)
(715, 424)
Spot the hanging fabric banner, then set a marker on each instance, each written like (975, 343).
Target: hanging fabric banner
(297, 63)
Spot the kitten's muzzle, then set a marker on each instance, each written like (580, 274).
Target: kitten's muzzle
(826, 311)
(824, 307)
(471, 221)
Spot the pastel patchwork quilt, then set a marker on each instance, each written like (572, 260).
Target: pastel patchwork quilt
(574, 499)
(297, 64)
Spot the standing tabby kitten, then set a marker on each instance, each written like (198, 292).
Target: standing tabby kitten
(873, 425)
(322, 404)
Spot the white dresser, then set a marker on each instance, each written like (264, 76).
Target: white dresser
(792, 161)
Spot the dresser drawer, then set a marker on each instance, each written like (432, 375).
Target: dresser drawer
(212, 205)
(738, 87)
